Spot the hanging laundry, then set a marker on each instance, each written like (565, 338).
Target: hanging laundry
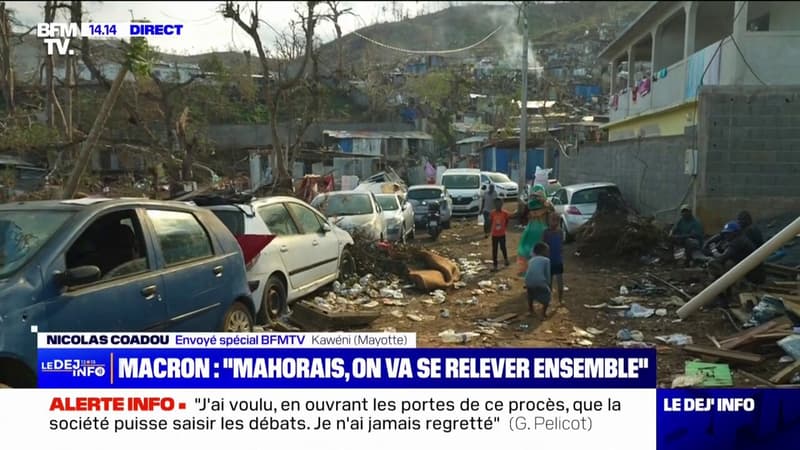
(615, 102)
(662, 73)
(644, 87)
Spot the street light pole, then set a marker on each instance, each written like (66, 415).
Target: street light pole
(523, 129)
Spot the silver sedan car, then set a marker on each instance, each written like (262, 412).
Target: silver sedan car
(398, 214)
(577, 203)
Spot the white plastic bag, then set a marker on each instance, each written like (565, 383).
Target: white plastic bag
(542, 176)
(480, 220)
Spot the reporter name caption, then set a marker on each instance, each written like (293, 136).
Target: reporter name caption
(465, 397)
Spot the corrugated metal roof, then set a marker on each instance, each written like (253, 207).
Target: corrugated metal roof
(340, 134)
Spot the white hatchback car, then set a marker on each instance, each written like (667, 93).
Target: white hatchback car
(307, 251)
(398, 214)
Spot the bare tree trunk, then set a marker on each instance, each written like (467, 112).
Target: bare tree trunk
(87, 147)
(70, 79)
(6, 66)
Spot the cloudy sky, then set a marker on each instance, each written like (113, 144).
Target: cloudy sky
(206, 30)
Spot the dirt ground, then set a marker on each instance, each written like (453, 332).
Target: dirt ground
(589, 282)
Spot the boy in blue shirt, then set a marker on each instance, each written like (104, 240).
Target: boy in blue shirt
(553, 237)
(538, 278)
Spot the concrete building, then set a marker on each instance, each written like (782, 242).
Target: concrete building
(676, 47)
(704, 106)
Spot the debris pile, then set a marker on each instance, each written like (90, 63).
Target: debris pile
(618, 230)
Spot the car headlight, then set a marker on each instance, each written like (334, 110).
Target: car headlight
(475, 196)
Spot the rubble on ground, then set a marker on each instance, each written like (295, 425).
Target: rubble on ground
(616, 229)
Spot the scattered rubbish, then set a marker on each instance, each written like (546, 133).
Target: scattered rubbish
(566, 289)
(786, 359)
(623, 290)
(597, 306)
(486, 330)
(584, 342)
(364, 281)
(504, 318)
(393, 293)
(437, 298)
(485, 284)
(684, 381)
(523, 326)
(676, 339)
(445, 314)
(618, 300)
(791, 345)
(389, 330)
(634, 344)
(357, 289)
(671, 286)
(796, 379)
(581, 333)
(477, 292)
(630, 335)
(661, 312)
(675, 301)
(639, 311)
(713, 374)
(394, 302)
(468, 301)
(373, 293)
(452, 337)
(414, 317)
(767, 309)
(397, 313)
(595, 331)
(337, 287)
(459, 285)
(370, 304)
(677, 321)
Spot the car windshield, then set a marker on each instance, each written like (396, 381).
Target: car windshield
(424, 194)
(388, 202)
(589, 196)
(461, 181)
(499, 178)
(22, 233)
(344, 204)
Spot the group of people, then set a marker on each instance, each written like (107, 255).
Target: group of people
(539, 253)
(737, 240)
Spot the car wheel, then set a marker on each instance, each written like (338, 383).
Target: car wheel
(564, 233)
(238, 319)
(274, 302)
(446, 225)
(347, 264)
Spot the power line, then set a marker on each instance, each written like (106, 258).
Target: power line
(745, 61)
(429, 52)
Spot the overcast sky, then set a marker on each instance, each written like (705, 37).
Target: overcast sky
(205, 30)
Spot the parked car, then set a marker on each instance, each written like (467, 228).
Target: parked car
(306, 252)
(398, 214)
(577, 203)
(419, 196)
(503, 185)
(355, 212)
(464, 187)
(95, 265)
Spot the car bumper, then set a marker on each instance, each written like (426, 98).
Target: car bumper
(465, 210)
(575, 222)
(507, 194)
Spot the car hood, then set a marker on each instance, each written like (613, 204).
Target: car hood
(348, 222)
(507, 186)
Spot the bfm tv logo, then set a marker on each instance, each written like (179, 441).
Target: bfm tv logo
(76, 367)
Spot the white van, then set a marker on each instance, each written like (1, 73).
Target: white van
(464, 186)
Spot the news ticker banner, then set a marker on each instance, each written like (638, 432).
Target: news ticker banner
(468, 398)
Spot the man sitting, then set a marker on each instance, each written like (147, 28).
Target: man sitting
(688, 234)
(751, 231)
(739, 247)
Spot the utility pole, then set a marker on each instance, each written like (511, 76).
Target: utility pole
(523, 128)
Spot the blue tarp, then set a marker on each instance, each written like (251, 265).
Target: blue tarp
(587, 91)
(502, 157)
(346, 145)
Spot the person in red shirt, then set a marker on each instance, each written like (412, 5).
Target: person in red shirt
(499, 222)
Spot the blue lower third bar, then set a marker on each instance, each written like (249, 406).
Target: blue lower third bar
(347, 368)
(742, 419)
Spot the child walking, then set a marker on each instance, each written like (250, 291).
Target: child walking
(499, 223)
(553, 237)
(537, 279)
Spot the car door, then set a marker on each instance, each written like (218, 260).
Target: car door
(322, 247)
(289, 242)
(559, 201)
(194, 273)
(129, 294)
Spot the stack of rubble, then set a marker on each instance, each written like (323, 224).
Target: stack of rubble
(617, 229)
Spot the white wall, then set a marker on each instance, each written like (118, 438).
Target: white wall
(783, 16)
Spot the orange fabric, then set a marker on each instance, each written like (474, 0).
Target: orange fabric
(499, 221)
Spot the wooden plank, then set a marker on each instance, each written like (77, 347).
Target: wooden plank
(748, 335)
(792, 284)
(786, 374)
(505, 317)
(731, 356)
(755, 377)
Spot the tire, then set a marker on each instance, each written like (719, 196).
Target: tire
(274, 300)
(565, 236)
(347, 264)
(238, 319)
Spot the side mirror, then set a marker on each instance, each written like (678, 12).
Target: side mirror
(326, 228)
(78, 276)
